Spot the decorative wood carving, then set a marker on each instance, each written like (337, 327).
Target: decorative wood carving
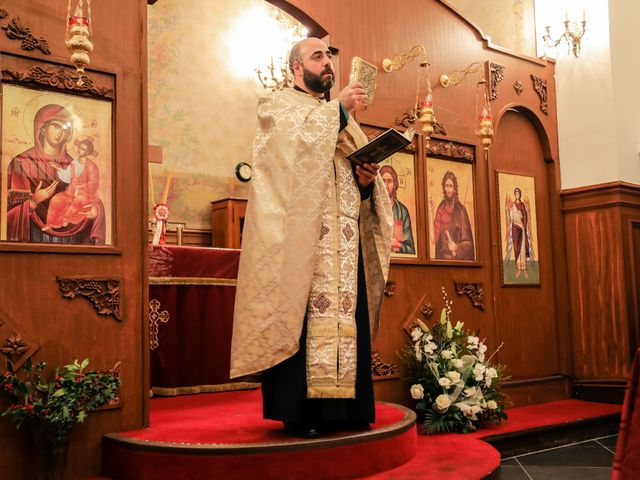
(496, 72)
(59, 78)
(475, 292)
(449, 149)
(15, 344)
(381, 369)
(104, 294)
(114, 372)
(423, 311)
(427, 310)
(156, 317)
(408, 118)
(540, 86)
(390, 288)
(14, 347)
(16, 31)
(517, 86)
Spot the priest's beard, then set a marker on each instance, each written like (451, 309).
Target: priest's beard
(316, 83)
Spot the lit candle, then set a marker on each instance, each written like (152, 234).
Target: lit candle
(485, 115)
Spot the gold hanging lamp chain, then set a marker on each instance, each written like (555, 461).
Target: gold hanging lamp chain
(89, 16)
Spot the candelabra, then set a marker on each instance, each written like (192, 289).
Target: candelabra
(573, 33)
(276, 75)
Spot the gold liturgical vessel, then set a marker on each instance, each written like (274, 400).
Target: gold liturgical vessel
(78, 35)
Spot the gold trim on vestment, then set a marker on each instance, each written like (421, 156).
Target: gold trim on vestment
(221, 387)
(220, 282)
(330, 392)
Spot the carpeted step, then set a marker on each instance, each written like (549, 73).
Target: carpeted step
(222, 435)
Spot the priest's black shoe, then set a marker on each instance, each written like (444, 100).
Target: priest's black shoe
(301, 430)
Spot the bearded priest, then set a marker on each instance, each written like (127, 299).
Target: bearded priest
(315, 255)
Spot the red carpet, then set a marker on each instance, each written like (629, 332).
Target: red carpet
(467, 457)
(227, 417)
(224, 435)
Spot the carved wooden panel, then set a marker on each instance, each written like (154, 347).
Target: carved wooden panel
(17, 31)
(59, 78)
(423, 311)
(449, 149)
(115, 372)
(104, 294)
(380, 368)
(390, 288)
(517, 86)
(496, 75)
(475, 292)
(540, 86)
(16, 345)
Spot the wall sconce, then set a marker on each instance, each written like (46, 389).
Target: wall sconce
(484, 127)
(78, 36)
(573, 33)
(424, 114)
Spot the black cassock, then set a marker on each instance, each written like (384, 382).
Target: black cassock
(284, 386)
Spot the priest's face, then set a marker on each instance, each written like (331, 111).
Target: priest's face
(315, 67)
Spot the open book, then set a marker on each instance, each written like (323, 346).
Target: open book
(382, 147)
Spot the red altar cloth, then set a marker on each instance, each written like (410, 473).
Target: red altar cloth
(626, 464)
(191, 296)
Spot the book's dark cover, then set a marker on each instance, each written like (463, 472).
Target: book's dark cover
(380, 148)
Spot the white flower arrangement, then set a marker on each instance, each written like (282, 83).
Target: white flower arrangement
(455, 387)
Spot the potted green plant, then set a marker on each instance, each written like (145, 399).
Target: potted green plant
(51, 408)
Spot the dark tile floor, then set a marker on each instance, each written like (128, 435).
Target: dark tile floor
(587, 460)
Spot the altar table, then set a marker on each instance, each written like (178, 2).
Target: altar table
(191, 297)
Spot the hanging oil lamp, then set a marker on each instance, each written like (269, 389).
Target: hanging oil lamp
(484, 129)
(78, 35)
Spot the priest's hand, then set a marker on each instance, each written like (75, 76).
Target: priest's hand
(366, 174)
(353, 97)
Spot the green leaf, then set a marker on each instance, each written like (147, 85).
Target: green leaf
(81, 416)
(42, 388)
(84, 363)
(58, 393)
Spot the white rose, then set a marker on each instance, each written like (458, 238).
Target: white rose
(443, 402)
(416, 333)
(444, 382)
(481, 357)
(418, 353)
(478, 371)
(472, 342)
(476, 409)
(453, 376)
(482, 348)
(492, 405)
(446, 354)
(417, 391)
(457, 363)
(464, 408)
(468, 392)
(491, 372)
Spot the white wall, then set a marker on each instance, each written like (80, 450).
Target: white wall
(598, 103)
